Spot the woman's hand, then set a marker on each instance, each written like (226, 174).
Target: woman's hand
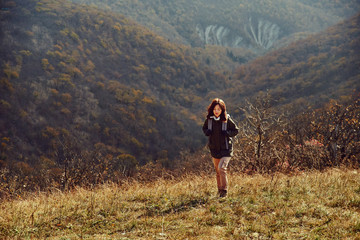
(208, 132)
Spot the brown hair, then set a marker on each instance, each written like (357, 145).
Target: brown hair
(221, 103)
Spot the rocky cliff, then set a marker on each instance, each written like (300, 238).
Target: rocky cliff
(219, 35)
(259, 33)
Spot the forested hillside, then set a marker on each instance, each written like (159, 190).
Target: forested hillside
(224, 34)
(74, 77)
(249, 24)
(312, 71)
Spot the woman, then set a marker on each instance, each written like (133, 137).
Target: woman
(220, 129)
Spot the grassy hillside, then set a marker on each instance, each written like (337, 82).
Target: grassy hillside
(308, 205)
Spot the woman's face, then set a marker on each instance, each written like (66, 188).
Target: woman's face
(217, 110)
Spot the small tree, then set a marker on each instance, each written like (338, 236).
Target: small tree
(261, 135)
(126, 164)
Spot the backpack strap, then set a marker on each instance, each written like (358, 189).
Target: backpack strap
(210, 124)
(224, 128)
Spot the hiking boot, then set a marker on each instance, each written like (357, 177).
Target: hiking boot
(223, 193)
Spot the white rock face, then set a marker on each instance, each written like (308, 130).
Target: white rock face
(264, 33)
(261, 33)
(218, 35)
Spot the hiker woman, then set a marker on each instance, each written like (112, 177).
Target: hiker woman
(220, 129)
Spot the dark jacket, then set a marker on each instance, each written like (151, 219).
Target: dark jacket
(220, 142)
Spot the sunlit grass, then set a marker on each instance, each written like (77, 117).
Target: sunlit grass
(310, 205)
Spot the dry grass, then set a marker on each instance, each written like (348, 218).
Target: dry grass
(310, 205)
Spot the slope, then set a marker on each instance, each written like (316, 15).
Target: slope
(254, 25)
(321, 67)
(76, 80)
(310, 205)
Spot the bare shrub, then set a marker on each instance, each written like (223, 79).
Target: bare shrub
(316, 139)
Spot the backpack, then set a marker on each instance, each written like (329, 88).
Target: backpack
(223, 128)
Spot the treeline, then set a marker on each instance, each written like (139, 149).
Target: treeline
(269, 141)
(272, 141)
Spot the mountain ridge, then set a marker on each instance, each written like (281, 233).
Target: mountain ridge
(190, 19)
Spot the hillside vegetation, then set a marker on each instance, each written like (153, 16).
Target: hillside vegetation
(75, 77)
(316, 69)
(180, 21)
(242, 30)
(310, 205)
(89, 96)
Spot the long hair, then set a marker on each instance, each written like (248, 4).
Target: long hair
(221, 103)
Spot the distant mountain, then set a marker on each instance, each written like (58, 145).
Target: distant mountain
(250, 24)
(321, 67)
